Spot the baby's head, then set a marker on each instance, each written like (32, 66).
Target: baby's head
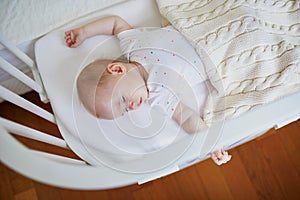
(110, 88)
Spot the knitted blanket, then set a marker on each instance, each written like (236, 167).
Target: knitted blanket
(251, 49)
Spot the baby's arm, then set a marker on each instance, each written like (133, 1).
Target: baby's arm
(188, 119)
(111, 25)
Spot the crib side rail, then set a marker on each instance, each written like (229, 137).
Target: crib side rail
(31, 133)
(59, 170)
(12, 97)
(25, 104)
(41, 166)
(35, 84)
(14, 128)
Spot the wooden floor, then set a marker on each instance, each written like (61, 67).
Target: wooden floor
(265, 168)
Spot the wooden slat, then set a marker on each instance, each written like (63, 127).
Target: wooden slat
(166, 188)
(259, 171)
(27, 195)
(20, 183)
(214, 182)
(47, 192)
(290, 138)
(144, 192)
(236, 176)
(280, 164)
(191, 184)
(6, 188)
(95, 195)
(71, 194)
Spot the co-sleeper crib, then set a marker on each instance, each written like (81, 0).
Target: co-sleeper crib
(107, 167)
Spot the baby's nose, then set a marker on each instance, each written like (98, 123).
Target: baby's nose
(134, 105)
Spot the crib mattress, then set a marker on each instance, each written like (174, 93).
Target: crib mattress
(59, 66)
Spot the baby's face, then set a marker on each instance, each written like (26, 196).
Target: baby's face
(127, 88)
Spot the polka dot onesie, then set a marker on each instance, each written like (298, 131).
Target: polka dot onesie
(172, 63)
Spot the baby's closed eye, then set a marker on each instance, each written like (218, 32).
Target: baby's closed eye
(124, 104)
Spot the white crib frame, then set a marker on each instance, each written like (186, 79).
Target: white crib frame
(45, 167)
(76, 174)
(63, 171)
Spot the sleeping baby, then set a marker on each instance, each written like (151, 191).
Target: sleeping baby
(110, 88)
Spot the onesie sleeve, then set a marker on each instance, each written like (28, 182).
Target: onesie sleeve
(127, 40)
(135, 39)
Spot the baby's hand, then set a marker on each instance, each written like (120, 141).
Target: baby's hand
(74, 37)
(220, 157)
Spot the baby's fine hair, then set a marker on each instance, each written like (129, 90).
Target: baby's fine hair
(91, 79)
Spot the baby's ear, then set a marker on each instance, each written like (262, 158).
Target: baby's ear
(116, 68)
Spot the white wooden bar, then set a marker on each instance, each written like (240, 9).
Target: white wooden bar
(17, 52)
(35, 84)
(58, 158)
(23, 103)
(6, 66)
(27, 132)
(21, 159)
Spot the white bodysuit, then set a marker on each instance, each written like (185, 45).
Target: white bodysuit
(172, 63)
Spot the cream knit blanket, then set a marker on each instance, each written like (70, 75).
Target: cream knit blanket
(251, 49)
